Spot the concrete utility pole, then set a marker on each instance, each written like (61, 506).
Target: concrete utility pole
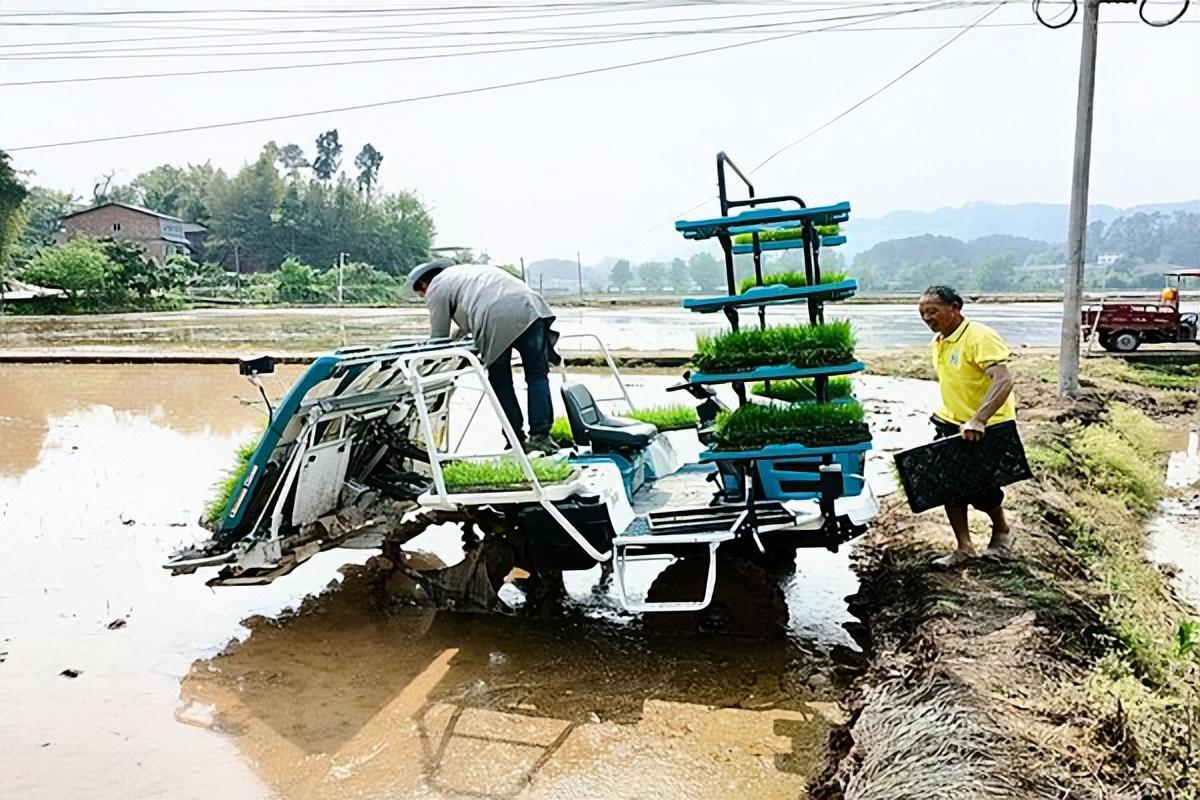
(237, 268)
(1068, 356)
(579, 274)
(341, 274)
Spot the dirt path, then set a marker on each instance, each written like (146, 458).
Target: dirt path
(1023, 677)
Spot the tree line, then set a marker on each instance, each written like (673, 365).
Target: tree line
(285, 204)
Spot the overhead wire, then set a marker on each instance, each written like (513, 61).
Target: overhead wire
(961, 32)
(447, 93)
(557, 29)
(636, 37)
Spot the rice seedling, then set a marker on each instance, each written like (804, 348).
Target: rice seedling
(813, 425)
(793, 279)
(229, 484)
(503, 473)
(666, 418)
(560, 432)
(798, 391)
(785, 234)
(799, 345)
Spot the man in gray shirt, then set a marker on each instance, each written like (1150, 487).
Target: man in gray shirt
(502, 314)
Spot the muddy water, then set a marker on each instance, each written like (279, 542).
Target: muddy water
(308, 330)
(103, 471)
(1175, 531)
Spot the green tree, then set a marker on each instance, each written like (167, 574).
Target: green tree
(368, 162)
(995, 274)
(292, 159)
(244, 212)
(707, 273)
(681, 279)
(43, 208)
(653, 275)
(621, 275)
(12, 198)
(80, 268)
(329, 156)
(139, 275)
(297, 282)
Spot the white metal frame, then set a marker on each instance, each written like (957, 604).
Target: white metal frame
(621, 560)
(409, 363)
(612, 367)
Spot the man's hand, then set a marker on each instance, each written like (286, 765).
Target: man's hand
(972, 430)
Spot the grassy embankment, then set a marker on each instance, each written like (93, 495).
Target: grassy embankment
(1070, 670)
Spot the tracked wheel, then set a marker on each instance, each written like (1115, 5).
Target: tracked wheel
(747, 600)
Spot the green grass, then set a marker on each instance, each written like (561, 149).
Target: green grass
(815, 425)
(799, 345)
(797, 391)
(229, 484)
(793, 279)
(785, 234)
(503, 473)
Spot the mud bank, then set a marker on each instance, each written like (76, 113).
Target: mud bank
(1069, 670)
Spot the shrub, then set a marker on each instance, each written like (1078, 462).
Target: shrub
(80, 268)
(503, 473)
(814, 425)
(297, 282)
(798, 391)
(794, 279)
(799, 345)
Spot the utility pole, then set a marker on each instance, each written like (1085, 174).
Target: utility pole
(237, 268)
(579, 274)
(1068, 356)
(523, 280)
(341, 274)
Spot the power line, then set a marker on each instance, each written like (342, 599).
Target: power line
(880, 90)
(823, 126)
(437, 95)
(557, 29)
(561, 44)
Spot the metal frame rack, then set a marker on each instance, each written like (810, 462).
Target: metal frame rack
(755, 215)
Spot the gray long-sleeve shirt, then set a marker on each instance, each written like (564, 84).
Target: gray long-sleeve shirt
(486, 302)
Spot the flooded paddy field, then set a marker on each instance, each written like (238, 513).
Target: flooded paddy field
(118, 680)
(309, 330)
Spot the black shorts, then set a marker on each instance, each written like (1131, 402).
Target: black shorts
(985, 501)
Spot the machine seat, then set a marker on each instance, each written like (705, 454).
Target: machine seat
(590, 425)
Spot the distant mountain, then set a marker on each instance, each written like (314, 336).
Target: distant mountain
(1039, 221)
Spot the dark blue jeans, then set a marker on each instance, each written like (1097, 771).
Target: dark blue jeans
(534, 347)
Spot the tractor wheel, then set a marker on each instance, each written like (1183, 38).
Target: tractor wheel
(1126, 341)
(747, 600)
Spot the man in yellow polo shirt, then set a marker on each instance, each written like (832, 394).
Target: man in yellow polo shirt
(976, 386)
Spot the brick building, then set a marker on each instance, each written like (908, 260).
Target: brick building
(159, 234)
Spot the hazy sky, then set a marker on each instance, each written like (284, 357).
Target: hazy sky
(602, 163)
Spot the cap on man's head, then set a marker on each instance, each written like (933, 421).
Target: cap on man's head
(423, 273)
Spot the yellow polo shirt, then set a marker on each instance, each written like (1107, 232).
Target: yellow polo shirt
(961, 360)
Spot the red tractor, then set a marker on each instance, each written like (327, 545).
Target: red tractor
(1123, 325)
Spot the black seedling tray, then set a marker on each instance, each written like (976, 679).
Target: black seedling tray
(950, 469)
